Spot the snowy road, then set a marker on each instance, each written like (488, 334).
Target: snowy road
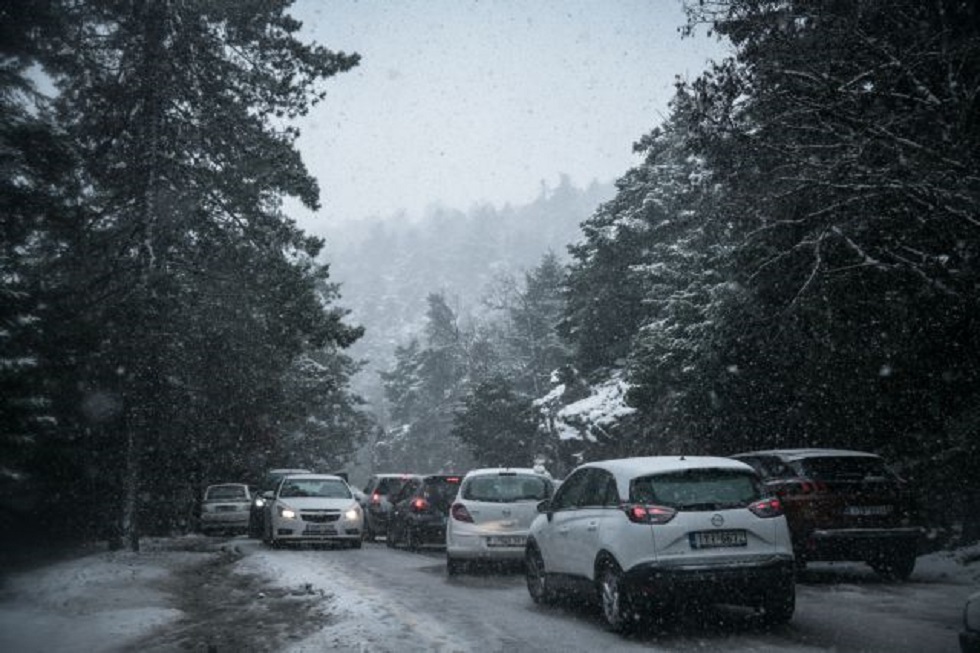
(196, 594)
(388, 600)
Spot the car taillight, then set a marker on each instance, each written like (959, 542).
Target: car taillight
(420, 505)
(643, 514)
(802, 486)
(376, 497)
(460, 513)
(770, 507)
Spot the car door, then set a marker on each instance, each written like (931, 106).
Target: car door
(598, 503)
(554, 537)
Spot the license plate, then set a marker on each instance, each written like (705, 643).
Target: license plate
(319, 529)
(506, 540)
(867, 511)
(714, 539)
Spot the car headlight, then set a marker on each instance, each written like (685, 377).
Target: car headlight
(259, 502)
(353, 513)
(287, 513)
(971, 613)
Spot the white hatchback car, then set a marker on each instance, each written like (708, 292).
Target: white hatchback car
(492, 513)
(644, 533)
(313, 508)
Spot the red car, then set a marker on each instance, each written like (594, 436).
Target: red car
(843, 505)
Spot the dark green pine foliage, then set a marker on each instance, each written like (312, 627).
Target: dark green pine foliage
(500, 426)
(846, 135)
(423, 391)
(196, 293)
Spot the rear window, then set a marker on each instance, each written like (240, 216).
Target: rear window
(844, 468)
(697, 489)
(506, 488)
(225, 493)
(440, 492)
(389, 486)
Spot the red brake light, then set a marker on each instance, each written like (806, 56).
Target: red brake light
(420, 504)
(376, 497)
(770, 507)
(452, 479)
(642, 514)
(460, 513)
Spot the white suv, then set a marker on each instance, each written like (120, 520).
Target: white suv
(645, 532)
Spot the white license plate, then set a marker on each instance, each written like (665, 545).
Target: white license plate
(867, 511)
(319, 529)
(713, 539)
(506, 540)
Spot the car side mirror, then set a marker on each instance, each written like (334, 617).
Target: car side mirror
(269, 494)
(544, 507)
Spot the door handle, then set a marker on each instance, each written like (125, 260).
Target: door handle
(563, 531)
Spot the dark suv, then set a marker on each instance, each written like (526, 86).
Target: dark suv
(378, 492)
(843, 505)
(419, 510)
(256, 513)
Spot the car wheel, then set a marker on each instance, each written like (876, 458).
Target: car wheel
(897, 565)
(779, 604)
(390, 537)
(453, 565)
(613, 598)
(355, 544)
(411, 539)
(538, 585)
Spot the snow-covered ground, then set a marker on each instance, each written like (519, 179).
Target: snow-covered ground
(122, 601)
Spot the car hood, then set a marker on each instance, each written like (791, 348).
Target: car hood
(317, 503)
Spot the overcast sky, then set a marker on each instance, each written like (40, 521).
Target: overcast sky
(463, 102)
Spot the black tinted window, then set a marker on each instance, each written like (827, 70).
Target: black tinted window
(697, 489)
(844, 468)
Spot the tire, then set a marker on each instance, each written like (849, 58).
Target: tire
(411, 539)
(536, 577)
(614, 602)
(453, 566)
(355, 544)
(779, 605)
(897, 565)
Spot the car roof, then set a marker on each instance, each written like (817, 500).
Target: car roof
(495, 471)
(227, 485)
(313, 477)
(799, 454)
(640, 466)
(396, 475)
(289, 471)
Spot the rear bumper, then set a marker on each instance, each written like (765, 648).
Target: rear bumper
(731, 581)
(858, 544)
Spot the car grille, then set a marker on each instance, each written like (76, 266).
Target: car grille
(321, 517)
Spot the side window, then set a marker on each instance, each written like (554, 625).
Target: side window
(600, 490)
(570, 494)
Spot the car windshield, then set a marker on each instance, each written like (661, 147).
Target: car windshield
(225, 492)
(304, 487)
(506, 488)
(844, 468)
(701, 489)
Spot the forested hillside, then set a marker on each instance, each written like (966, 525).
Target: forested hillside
(163, 324)
(793, 264)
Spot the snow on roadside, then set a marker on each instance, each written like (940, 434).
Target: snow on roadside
(98, 602)
(363, 618)
(106, 602)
